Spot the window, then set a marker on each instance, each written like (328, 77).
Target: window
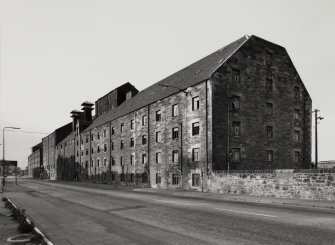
(296, 114)
(98, 135)
(77, 153)
(144, 139)
(86, 152)
(144, 178)
(195, 179)
(175, 156)
(195, 154)
(105, 133)
(195, 128)
(121, 127)
(236, 154)
(269, 85)
(132, 159)
(235, 76)
(297, 156)
(237, 128)
(122, 177)
(175, 133)
(81, 142)
(128, 95)
(98, 149)
(144, 120)
(105, 162)
(195, 103)
(132, 142)
(269, 132)
(175, 179)
(112, 146)
(236, 103)
(297, 135)
(144, 158)
(269, 109)
(158, 116)
(77, 142)
(105, 147)
(158, 157)
(92, 163)
(113, 131)
(175, 110)
(98, 163)
(158, 178)
(113, 161)
(158, 136)
(82, 153)
(86, 139)
(122, 144)
(296, 92)
(269, 155)
(132, 123)
(268, 58)
(92, 137)
(121, 161)
(92, 150)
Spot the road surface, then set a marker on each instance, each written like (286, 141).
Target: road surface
(78, 214)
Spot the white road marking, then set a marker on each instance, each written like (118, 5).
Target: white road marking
(242, 212)
(221, 209)
(178, 203)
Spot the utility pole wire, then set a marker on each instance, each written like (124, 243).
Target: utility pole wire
(28, 132)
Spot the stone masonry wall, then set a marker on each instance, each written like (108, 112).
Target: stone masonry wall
(288, 183)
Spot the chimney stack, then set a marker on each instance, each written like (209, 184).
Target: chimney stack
(87, 109)
(76, 116)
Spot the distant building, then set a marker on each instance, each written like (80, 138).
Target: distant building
(243, 107)
(326, 164)
(35, 161)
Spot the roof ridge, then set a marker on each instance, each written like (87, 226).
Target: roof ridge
(189, 75)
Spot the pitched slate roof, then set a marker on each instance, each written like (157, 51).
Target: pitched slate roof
(187, 77)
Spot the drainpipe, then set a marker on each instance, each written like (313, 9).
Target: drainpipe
(181, 151)
(149, 177)
(202, 175)
(110, 153)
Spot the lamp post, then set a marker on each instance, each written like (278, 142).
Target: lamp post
(3, 154)
(316, 135)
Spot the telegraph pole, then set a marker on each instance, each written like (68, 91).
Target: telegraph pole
(316, 135)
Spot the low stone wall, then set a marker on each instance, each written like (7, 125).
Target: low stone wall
(288, 183)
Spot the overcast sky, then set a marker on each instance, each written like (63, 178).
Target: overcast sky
(57, 54)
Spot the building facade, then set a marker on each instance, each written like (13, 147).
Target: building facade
(244, 107)
(35, 161)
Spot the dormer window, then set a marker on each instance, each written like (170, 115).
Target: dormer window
(128, 95)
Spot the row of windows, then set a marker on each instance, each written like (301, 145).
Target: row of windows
(105, 163)
(236, 155)
(268, 83)
(144, 158)
(269, 131)
(175, 135)
(158, 116)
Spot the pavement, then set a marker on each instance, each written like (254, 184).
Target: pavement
(87, 213)
(8, 226)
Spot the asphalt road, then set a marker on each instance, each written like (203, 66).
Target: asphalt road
(77, 214)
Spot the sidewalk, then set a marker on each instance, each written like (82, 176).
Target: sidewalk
(206, 195)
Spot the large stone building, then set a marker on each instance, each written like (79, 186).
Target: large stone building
(244, 107)
(35, 161)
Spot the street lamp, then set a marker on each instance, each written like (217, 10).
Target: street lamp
(3, 154)
(316, 135)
